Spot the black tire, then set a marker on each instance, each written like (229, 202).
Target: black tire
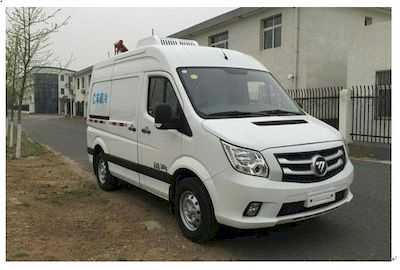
(208, 227)
(109, 183)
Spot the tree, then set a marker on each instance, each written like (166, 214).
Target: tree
(33, 27)
(12, 74)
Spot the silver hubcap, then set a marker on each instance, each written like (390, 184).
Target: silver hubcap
(189, 209)
(102, 171)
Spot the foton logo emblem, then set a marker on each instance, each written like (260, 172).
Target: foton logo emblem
(319, 165)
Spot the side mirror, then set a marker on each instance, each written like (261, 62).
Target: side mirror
(163, 117)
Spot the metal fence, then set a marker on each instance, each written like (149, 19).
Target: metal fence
(322, 103)
(372, 114)
(25, 107)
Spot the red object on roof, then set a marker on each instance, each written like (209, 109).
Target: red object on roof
(119, 47)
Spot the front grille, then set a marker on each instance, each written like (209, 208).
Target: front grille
(296, 167)
(298, 207)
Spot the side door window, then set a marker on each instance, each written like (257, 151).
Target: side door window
(161, 91)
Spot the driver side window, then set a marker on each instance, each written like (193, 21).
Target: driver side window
(161, 91)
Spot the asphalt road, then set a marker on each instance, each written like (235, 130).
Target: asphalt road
(360, 230)
(65, 136)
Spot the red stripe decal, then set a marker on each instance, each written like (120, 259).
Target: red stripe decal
(109, 122)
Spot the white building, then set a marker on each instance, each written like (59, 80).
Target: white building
(52, 89)
(303, 47)
(81, 91)
(371, 65)
(49, 91)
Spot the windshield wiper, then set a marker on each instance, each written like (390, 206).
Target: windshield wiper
(279, 112)
(236, 113)
(261, 113)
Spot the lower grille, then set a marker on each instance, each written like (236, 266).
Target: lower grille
(298, 207)
(296, 167)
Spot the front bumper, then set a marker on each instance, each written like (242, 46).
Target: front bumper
(231, 192)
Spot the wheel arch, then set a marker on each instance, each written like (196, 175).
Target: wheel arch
(192, 165)
(98, 147)
(183, 168)
(99, 143)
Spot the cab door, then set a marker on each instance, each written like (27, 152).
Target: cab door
(158, 149)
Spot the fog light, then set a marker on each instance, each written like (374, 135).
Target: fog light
(252, 209)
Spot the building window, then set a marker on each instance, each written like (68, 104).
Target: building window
(383, 93)
(272, 32)
(219, 40)
(367, 21)
(77, 84)
(90, 78)
(384, 77)
(83, 82)
(62, 91)
(62, 78)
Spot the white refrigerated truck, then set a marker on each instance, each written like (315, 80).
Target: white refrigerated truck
(211, 131)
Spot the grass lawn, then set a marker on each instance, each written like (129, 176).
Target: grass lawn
(28, 147)
(55, 211)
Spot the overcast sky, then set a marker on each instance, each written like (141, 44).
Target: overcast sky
(91, 32)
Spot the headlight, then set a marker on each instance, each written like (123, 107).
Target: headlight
(245, 160)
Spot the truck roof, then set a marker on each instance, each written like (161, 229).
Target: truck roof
(169, 56)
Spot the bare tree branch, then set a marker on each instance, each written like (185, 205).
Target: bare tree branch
(28, 40)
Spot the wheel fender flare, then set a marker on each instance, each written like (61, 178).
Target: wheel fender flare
(99, 141)
(190, 164)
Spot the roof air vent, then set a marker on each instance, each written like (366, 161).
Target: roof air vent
(154, 40)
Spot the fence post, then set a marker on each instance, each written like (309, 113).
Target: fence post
(345, 114)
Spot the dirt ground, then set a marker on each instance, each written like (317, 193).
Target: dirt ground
(55, 211)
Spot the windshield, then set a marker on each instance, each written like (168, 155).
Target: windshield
(220, 92)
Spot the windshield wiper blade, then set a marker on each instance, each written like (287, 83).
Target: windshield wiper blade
(235, 113)
(279, 112)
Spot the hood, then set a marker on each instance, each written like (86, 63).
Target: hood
(260, 133)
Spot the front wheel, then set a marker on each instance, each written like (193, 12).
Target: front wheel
(195, 214)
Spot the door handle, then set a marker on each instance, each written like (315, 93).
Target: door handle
(146, 130)
(132, 128)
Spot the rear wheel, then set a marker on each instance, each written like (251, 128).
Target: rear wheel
(195, 213)
(104, 178)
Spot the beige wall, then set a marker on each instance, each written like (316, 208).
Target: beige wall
(364, 61)
(325, 39)
(245, 36)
